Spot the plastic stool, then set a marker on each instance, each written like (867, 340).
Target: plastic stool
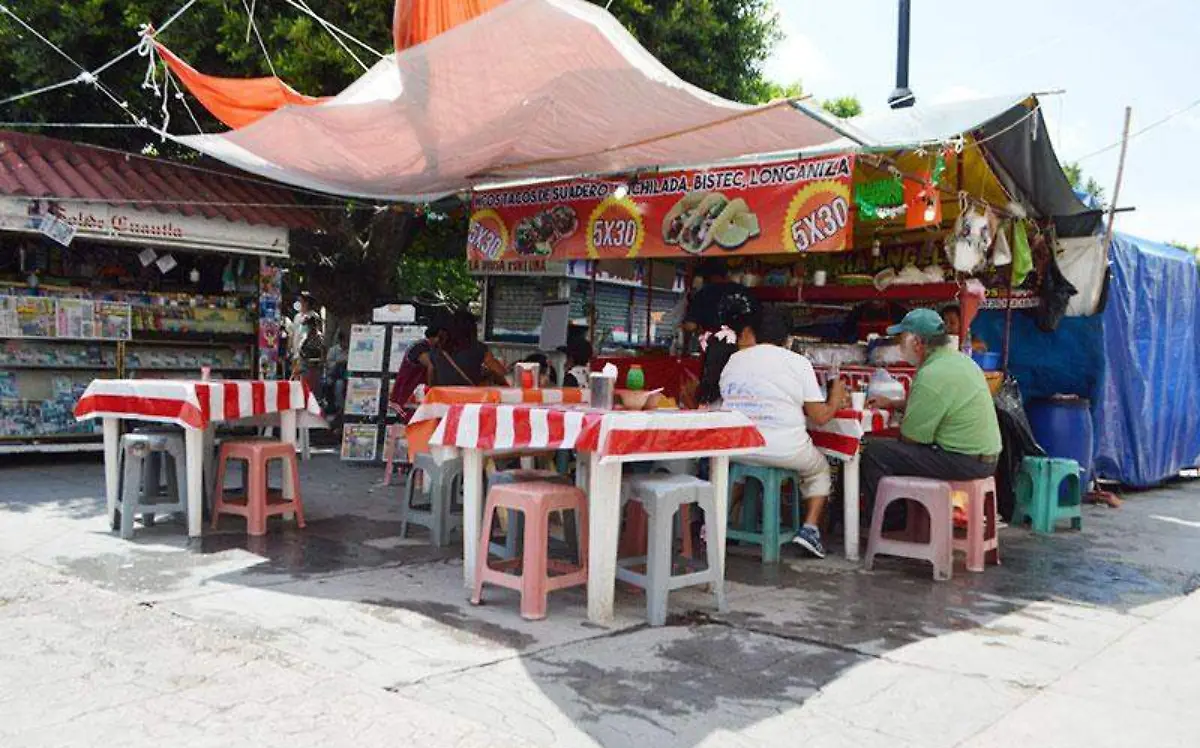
(635, 533)
(443, 483)
(512, 535)
(982, 543)
(395, 445)
(140, 474)
(934, 495)
(661, 496)
(771, 480)
(258, 501)
(1039, 495)
(535, 500)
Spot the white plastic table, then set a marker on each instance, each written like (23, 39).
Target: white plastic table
(195, 406)
(604, 440)
(841, 439)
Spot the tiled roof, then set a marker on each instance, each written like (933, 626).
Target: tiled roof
(46, 168)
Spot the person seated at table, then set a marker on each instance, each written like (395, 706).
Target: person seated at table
(950, 431)
(778, 390)
(579, 356)
(462, 360)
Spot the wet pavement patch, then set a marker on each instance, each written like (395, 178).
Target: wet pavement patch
(681, 673)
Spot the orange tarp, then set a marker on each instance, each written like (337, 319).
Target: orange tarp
(235, 101)
(417, 21)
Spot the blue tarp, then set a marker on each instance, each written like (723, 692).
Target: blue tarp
(1147, 419)
(1138, 362)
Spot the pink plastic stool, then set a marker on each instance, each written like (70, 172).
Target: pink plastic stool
(982, 543)
(635, 535)
(391, 451)
(938, 547)
(258, 502)
(536, 500)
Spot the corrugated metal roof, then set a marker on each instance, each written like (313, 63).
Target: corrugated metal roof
(46, 168)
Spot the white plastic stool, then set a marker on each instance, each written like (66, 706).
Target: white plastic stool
(660, 497)
(443, 484)
(140, 487)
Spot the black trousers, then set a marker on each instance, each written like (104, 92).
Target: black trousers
(884, 457)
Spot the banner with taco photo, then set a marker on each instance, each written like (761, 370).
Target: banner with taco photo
(800, 205)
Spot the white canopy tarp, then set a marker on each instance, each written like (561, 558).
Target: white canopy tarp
(533, 89)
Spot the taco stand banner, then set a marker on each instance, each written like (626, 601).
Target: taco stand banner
(788, 206)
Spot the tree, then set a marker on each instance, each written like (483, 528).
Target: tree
(844, 107)
(718, 45)
(1088, 186)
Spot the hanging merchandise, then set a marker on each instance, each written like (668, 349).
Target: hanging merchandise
(1022, 262)
(879, 199)
(1001, 251)
(924, 205)
(973, 234)
(228, 279)
(1055, 292)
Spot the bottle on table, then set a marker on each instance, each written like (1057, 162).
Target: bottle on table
(635, 378)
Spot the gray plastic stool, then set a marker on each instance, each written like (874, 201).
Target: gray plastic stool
(661, 496)
(140, 488)
(443, 484)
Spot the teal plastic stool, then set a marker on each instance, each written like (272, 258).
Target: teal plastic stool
(759, 522)
(1039, 497)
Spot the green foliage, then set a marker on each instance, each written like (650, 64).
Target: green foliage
(844, 107)
(773, 91)
(718, 45)
(433, 268)
(210, 36)
(1088, 185)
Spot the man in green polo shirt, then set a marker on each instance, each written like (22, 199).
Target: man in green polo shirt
(950, 431)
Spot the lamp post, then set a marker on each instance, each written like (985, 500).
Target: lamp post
(902, 97)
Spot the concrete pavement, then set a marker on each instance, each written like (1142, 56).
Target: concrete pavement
(346, 634)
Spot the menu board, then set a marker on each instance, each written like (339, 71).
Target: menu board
(359, 441)
(79, 319)
(362, 396)
(403, 338)
(366, 348)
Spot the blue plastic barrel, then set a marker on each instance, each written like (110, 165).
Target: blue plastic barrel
(1063, 426)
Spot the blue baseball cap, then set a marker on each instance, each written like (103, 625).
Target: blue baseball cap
(924, 323)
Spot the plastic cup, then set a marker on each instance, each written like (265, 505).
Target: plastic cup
(601, 389)
(528, 375)
(858, 401)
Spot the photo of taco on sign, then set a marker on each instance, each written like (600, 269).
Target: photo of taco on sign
(798, 205)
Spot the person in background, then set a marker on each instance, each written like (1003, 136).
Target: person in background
(547, 376)
(579, 356)
(416, 369)
(702, 311)
(950, 431)
(734, 312)
(306, 343)
(462, 360)
(778, 390)
(952, 318)
(335, 373)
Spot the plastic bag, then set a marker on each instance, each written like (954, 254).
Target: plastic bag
(884, 385)
(1018, 442)
(1022, 254)
(1056, 292)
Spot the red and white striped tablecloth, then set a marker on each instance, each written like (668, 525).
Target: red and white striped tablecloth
(490, 426)
(436, 401)
(842, 437)
(193, 404)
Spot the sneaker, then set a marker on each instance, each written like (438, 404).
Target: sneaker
(809, 538)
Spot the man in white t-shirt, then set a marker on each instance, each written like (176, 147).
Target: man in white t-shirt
(778, 390)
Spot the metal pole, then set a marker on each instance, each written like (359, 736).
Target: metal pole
(649, 300)
(1112, 208)
(902, 97)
